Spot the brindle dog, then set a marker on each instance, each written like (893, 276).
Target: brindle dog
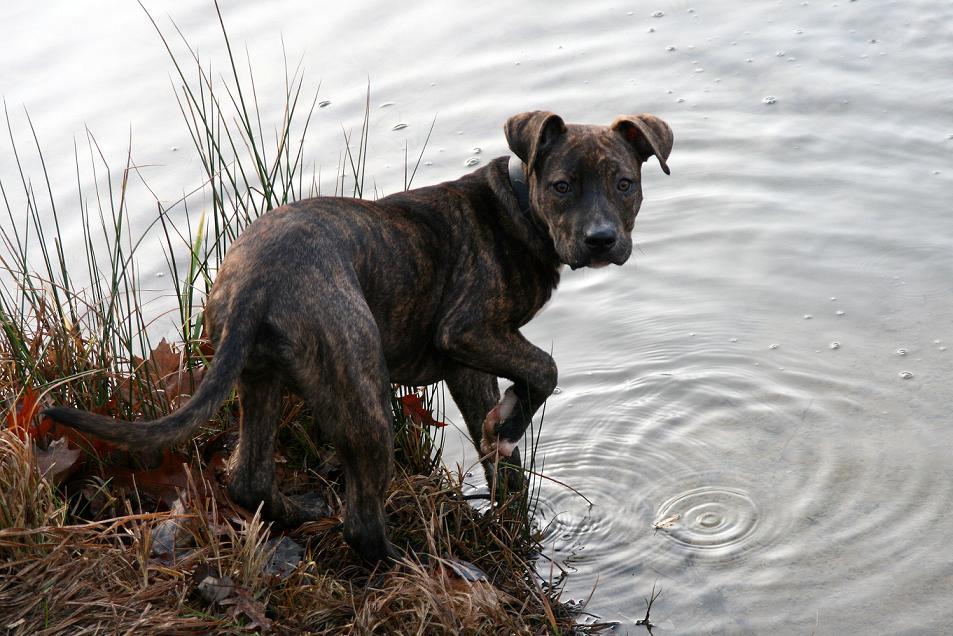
(338, 298)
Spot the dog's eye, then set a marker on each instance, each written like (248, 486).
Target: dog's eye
(625, 185)
(562, 187)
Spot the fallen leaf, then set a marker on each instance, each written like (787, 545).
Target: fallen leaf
(163, 483)
(413, 407)
(667, 522)
(171, 534)
(213, 589)
(244, 603)
(20, 416)
(58, 460)
(285, 557)
(175, 378)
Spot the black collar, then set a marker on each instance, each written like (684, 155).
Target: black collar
(518, 182)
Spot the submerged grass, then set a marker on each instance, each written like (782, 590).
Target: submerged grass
(89, 545)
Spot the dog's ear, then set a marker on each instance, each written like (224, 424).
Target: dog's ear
(648, 135)
(531, 134)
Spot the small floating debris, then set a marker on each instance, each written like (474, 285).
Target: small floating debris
(387, 104)
(399, 126)
(906, 375)
(808, 316)
(770, 99)
(779, 54)
(651, 29)
(658, 14)
(557, 391)
(835, 345)
(773, 346)
(472, 161)
(174, 148)
(840, 312)
(476, 150)
(671, 47)
(680, 100)
(901, 352)
(160, 274)
(667, 522)
(733, 340)
(324, 103)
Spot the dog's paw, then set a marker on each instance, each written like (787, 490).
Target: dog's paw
(492, 443)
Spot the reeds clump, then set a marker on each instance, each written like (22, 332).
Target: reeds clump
(93, 539)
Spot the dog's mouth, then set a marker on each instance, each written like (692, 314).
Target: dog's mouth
(597, 261)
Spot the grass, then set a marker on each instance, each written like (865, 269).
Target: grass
(95, 540)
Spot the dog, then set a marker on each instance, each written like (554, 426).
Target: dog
(338, 298)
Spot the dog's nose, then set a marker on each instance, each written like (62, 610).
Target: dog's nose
(601, 240)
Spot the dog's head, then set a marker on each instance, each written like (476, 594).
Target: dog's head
(585, 182)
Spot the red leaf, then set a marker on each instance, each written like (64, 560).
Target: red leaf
(162, 483)
(20, 417)
(413, 407)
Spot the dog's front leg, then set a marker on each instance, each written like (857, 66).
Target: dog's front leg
(508, 355)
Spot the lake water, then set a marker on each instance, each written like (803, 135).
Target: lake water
(771, 365)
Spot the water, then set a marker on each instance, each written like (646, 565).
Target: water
(808, 206)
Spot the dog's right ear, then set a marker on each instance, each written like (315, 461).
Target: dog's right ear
(531, 134)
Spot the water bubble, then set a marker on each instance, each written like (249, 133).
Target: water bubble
(160, 274)
(689, 10)
(749, 60)
(936, 342)
(399, 126)
(773, 346)
(779, 54)
(799, 31)
(651, 29)
(808, 316)
(840, 312)
(770, 99)
(385, 104)
(472, 161)
(476, 150)
(557, 391)
(174, 148)
(835, 345)
(428, 163)
(324, 103)
(941, 348)
(692, 334)
(699, 70)
(833, 297)
(670, 47)
(680, 100)
(658, 14)
(733, 340)
(906, 375)
(901, 352)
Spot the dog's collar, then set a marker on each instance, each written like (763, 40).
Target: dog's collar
(518, 182)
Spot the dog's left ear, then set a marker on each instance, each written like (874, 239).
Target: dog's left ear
(531, 134)
(648, 135)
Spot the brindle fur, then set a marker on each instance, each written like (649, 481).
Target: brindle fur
(338, 298)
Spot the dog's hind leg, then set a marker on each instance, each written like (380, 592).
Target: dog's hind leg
(341, 372)
(252, 479)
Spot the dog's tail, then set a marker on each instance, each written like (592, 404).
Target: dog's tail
(180, 425)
